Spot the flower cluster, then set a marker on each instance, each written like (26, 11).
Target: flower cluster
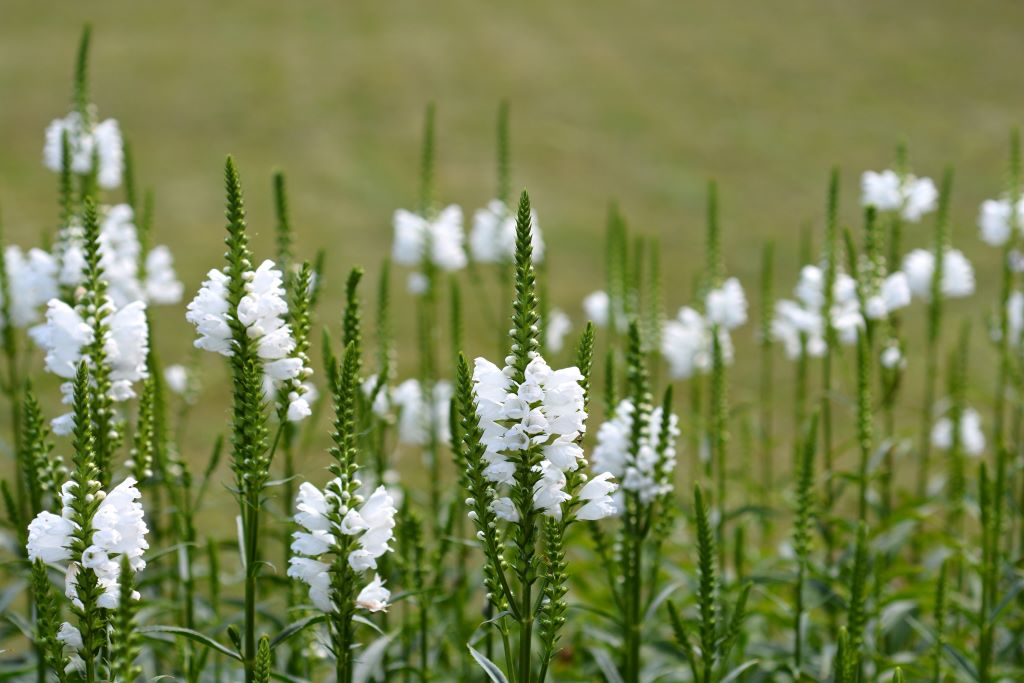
(68, 331)
(686, 340)
(31, 282)
(325, 518)
(972, 437)
(439, 240)
(419, 417)
(545, 411)
(888, 190)
(799, 323)
(118, 532)
(120, 251)
(89, 142)
(999, 219)
(261, 311)
(650, 469)
(957, 274)
(493, 238)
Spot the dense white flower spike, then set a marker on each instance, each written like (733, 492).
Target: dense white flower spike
(557, 327)
(957, 274)
(972, 437)
(650, 470)
(120, 250)
(799, 323)
(686, 344)
(262, 312)
(32, 281)
(910, 196)
(439, 239)
(324, 519)
(118, 533)
(418, 418)
(893, 295)
(493, 238)
(545, 411)
(726, 306)
(998, 219)
(65, 334)
(88, 141)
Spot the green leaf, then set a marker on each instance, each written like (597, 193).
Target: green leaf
(489, 667)
(606, 665)
(203, 639)
(295, 628)
(736, 673)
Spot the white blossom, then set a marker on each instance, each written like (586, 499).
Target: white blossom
(417, 417)
(998, 219)
(493, 238)
(596, 495)
(910, 196)
(727, 305)
(556, 328)
(87, 141)
(647, 470)
(31, 282)
(686, 344)
(957, 274)
(374, 596)
(177, 378)
(442, 236)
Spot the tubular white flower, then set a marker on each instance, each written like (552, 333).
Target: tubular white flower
(417, 416)
(177, 378)
(596, 307)
(101, 141)
(318, 513)
(118, 532)
(162, 285)
(597, 498)
(727, 305)
(686, 344)
(799, 324)
(644, 472)
(443, 236)
(907, 194)
(32, 281)
(493, 238)
(957, 274)
(374, 596)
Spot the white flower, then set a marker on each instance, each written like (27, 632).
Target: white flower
(374, 596)
(418, 417)
(62, 337)
(558, 325)
(727, 305)
(649, 471)
(70, 636)
(101, 141)
(957, 274)
(893, 295)
(443, 236)
(892, 357)
(127, 346)
(32, 281)
(493, 238)
(686, 344)
(49, 538)
(596, 497)
(911, 196)
(549, 492)
(177, 378)
(380, 395)
(162, 285)
(208, 312)
(315, 575)
(972, 437)
(505, 509)
(596, 307)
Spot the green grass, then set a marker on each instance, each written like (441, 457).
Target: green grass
(641, 102)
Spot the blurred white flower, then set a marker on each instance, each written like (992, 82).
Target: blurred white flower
(440, 239)
(32, 281)
(957, 274)
(556, 328)
(727, 305)
(997, 219)
(493, 238)
(907, 194)
(972, 437)
(87, 141)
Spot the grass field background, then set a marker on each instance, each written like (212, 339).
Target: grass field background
(641, 102)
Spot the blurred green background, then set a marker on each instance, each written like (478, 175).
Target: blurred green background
(641, 102)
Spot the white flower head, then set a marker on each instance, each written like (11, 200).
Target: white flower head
(910, 196)
(957, 274)
(493, 238)
(440, 239)
(727, 305)
(374, 596)
(87, 142)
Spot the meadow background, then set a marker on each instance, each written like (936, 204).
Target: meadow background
(640, 102)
